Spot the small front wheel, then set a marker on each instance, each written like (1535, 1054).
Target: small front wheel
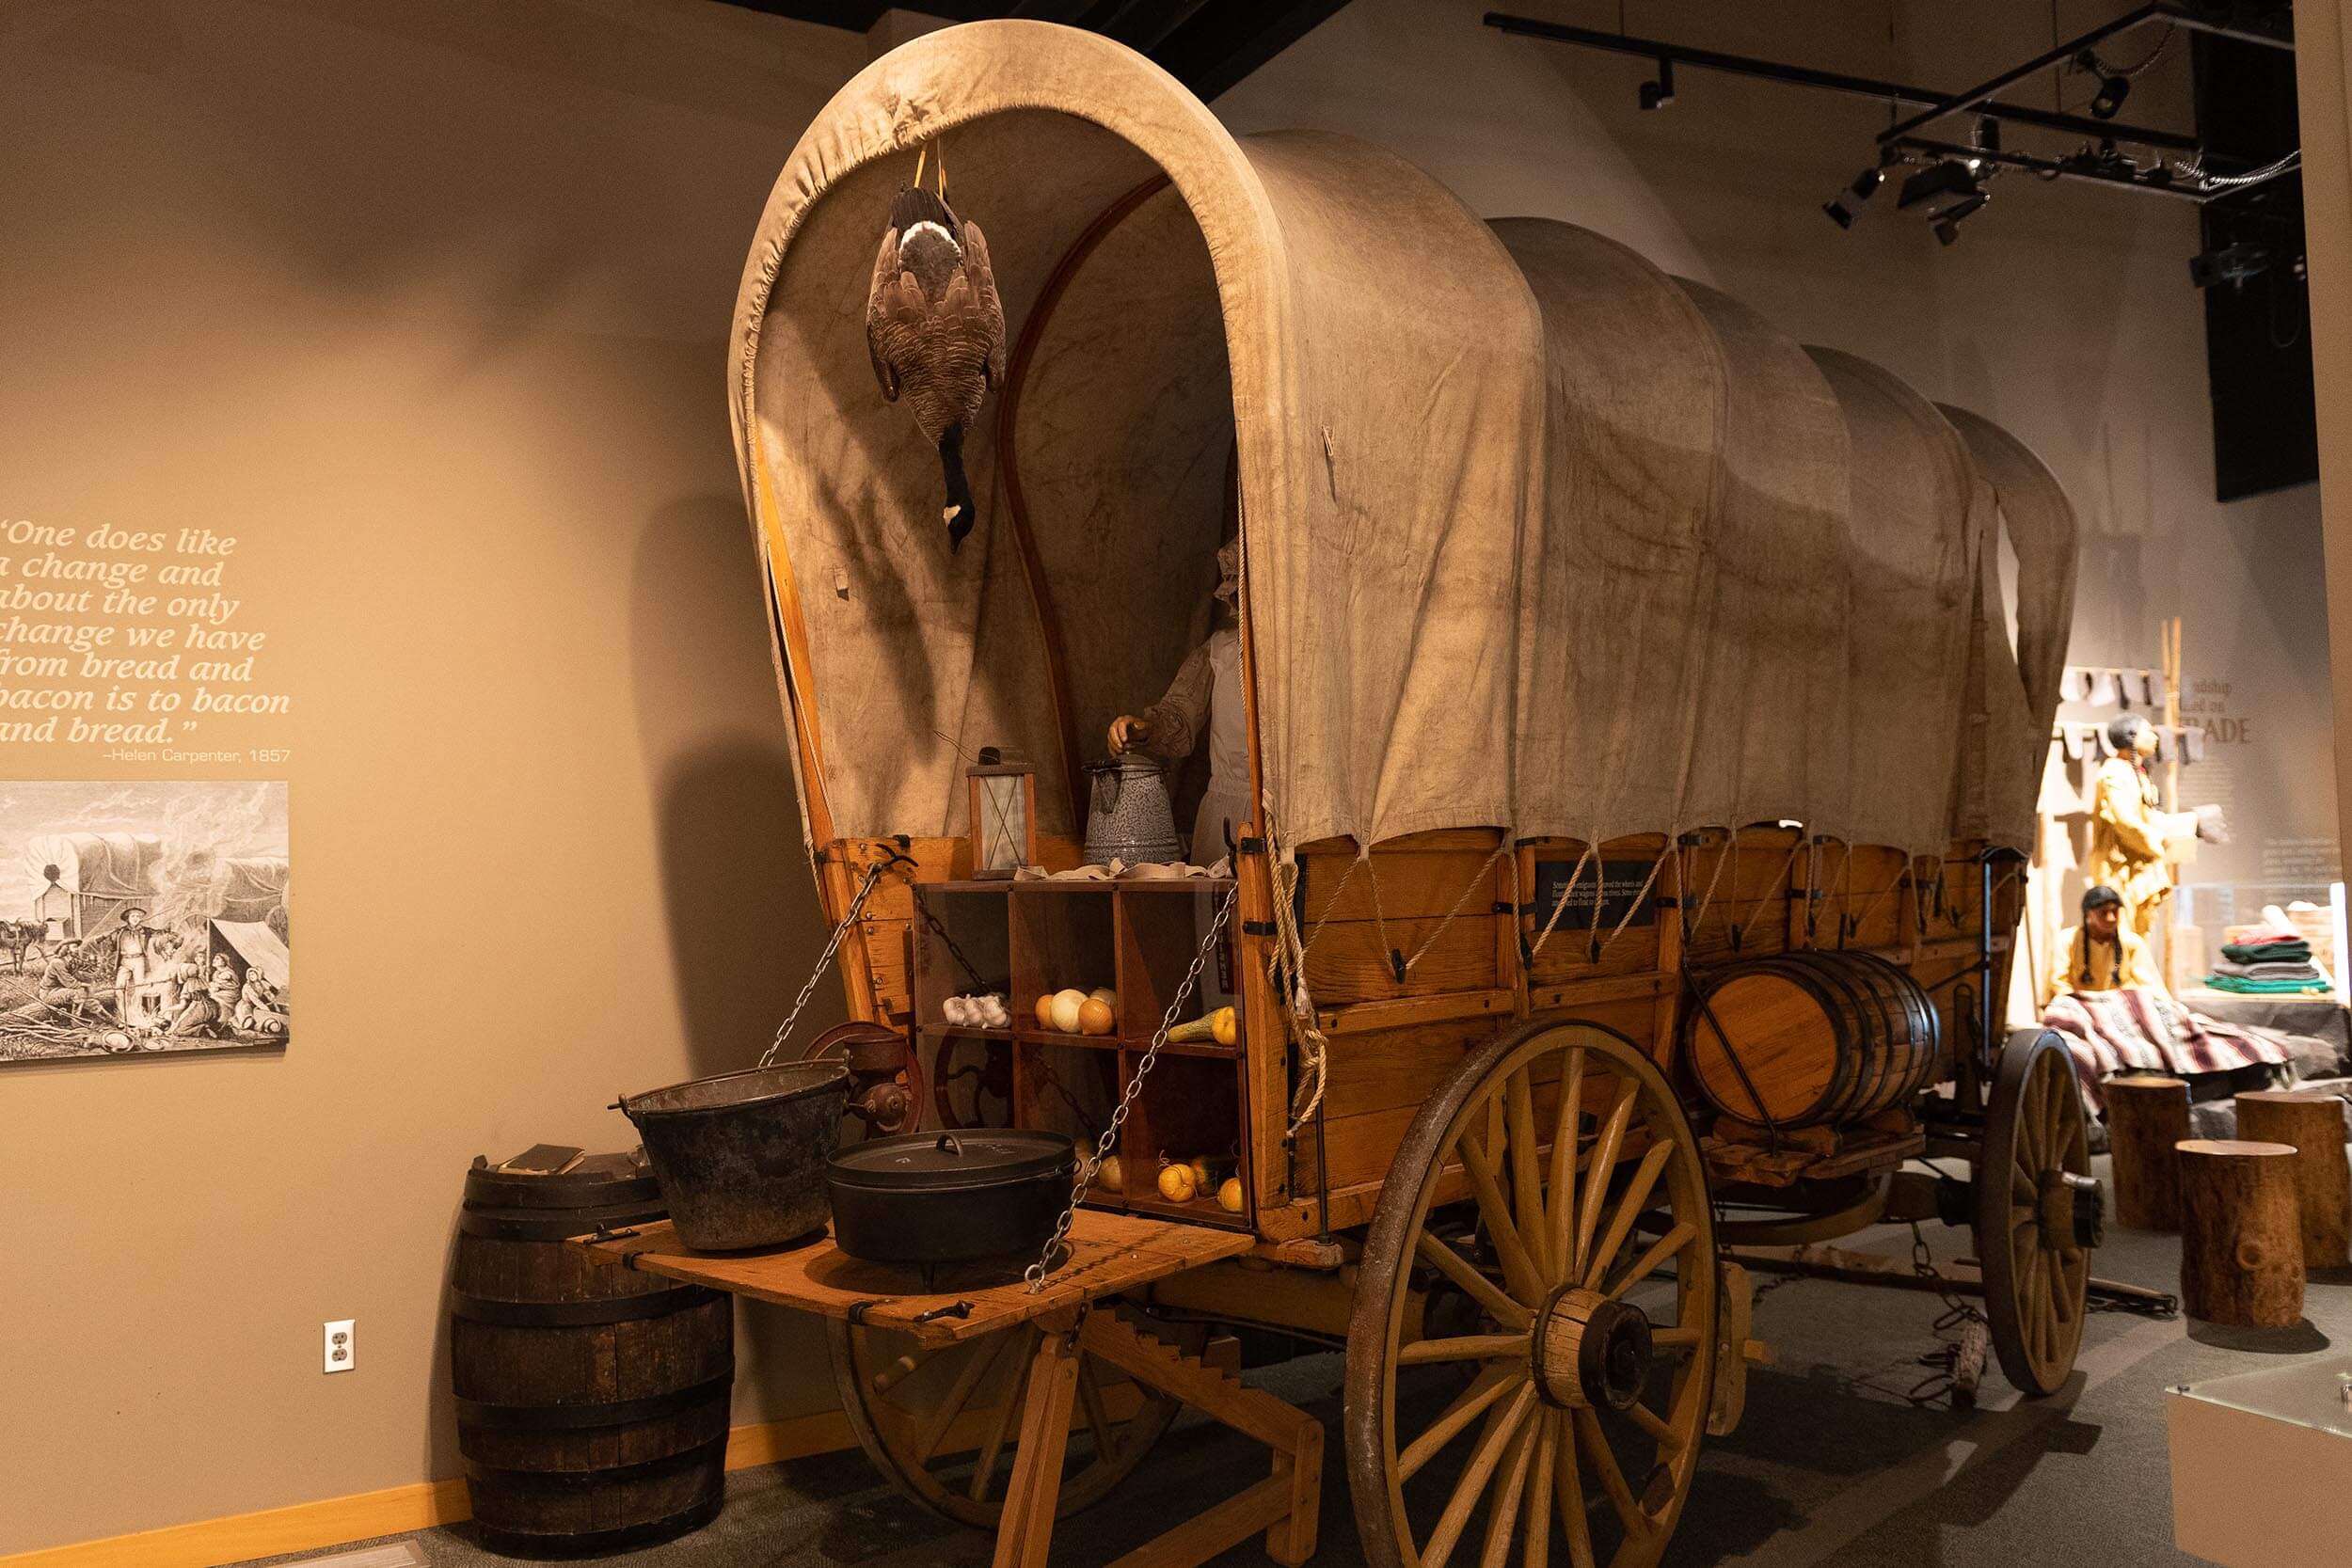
(2039, 1211)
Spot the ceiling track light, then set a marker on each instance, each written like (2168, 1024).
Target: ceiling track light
(1658, 94)
(1865, 185)
(1944, 177)
(1946, 222)
(2114, 87)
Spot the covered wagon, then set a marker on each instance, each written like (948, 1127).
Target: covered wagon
(1643, 717)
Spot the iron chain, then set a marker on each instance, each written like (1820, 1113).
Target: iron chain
(824, 959)
(1035, 1274)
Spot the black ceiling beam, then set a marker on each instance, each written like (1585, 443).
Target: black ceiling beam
(1224, 40)
(1832, 81)
(1144, 25)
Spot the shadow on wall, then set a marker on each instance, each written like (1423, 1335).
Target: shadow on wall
(739, 899)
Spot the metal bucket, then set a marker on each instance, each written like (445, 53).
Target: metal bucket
(741, 1157)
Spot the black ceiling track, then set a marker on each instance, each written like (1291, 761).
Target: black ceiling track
(2266, 22)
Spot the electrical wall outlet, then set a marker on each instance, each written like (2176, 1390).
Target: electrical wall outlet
(340, 1351)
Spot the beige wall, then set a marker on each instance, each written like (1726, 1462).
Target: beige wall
(425, 299)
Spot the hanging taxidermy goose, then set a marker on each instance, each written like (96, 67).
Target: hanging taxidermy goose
(936, 330)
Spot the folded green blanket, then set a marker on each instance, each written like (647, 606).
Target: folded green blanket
(2265, 988)
(2268, 952)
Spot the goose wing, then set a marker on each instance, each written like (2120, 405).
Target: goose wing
(989, 310)
(881, 307)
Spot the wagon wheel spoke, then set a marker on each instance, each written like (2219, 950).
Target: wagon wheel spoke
(1476, 1475)
(1594, 1445)
(1637, 1192)
(1490, 1386)
(1519, 1265)
(899, 1371)
(1565, 1120)
(1538, 1523)
(1578, 1527)
(1667, 1246)
(1463, 1347)
(1655, 1426)
(1502, 1519)
(1435, 1252)
(1604, 1158)
(1527, 1184)
(975, 1367)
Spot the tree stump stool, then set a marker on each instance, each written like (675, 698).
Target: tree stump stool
(2241, 1244)
(2146, 1118)
(2311, 1121)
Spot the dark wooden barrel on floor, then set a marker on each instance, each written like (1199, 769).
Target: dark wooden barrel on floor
(591, 1401)
(1800, 1039)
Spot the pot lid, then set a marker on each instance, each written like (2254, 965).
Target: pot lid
(954, 1158)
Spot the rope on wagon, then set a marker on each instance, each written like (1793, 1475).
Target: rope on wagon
(1561, 908)
(1469, 888)
(1599, 948)
(1730, 852)
(1854, 927)
(1291, 948)
(1787, 867)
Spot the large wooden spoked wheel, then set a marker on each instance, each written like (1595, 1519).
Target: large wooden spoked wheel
(2039, 1211)
(1515, 1354)
(942, 1424)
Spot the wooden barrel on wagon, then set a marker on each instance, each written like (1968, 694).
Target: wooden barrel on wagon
(592, 1403)
(1802, 1040)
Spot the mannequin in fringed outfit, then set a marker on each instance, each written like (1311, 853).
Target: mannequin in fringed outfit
(2127, 831)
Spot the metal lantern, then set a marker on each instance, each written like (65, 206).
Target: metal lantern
(1004, 815)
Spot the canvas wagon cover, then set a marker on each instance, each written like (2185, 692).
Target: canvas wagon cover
(106, 865)
(1536, 537)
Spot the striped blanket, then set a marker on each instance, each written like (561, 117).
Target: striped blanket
(2135, 1029)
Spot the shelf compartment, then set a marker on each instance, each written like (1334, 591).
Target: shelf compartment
(1057, 944)
(972, 915)
(1189, 1105)
(1159, 931)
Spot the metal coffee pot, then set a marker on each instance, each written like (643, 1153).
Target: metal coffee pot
(1129, 816)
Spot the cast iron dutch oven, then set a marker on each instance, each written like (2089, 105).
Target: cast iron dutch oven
(949, 1198)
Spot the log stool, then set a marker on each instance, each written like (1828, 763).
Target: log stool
(2146, 1118)
(2311, 1121)
(2241, 1245)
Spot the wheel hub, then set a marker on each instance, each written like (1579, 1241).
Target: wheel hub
(2073, 1211)
(1589, 1351)
(2070, 1211)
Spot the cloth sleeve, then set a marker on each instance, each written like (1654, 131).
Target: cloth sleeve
(1177, 720)
(2140, 964)
(2122, 806)
(2062, 970)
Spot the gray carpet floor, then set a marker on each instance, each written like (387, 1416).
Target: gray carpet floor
(1832, 1468)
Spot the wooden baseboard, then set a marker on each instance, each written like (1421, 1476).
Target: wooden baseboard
(395, 1511)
